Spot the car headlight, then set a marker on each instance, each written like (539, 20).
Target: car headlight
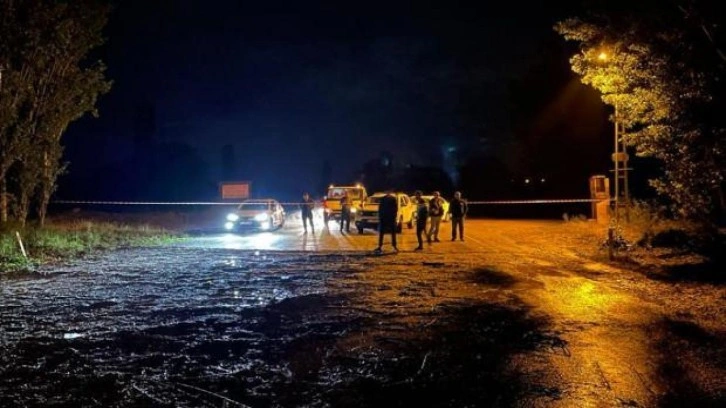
(261, 217)
(228, 225)
(232, 217)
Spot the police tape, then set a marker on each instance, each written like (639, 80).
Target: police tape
(497, 202)
(140, 202)
(548, 201)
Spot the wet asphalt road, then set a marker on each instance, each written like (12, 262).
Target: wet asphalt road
(514, 316)
(293, 238)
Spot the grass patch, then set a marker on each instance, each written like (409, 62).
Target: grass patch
(648, 237)
(66, 239)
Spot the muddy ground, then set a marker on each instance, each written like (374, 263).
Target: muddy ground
(517, 315)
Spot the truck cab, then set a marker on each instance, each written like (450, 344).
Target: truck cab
(331, 204)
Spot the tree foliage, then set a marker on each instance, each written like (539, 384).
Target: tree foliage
(49, 81)
(659, 65)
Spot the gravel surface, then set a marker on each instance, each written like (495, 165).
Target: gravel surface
(523, 313)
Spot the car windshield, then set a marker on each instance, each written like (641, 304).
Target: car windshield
(253, 207)
(374, 200)
(337, 192)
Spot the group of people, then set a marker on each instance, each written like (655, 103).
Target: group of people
(426, 210)
(308, 205)
(434, 210)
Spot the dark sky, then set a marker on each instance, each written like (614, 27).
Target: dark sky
(293, 84)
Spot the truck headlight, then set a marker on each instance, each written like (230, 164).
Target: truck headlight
(261, 217)
(232, 217)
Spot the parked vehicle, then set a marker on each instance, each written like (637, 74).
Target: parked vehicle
(368, 216)
(357, 194)
(446, 216)
(256, 214)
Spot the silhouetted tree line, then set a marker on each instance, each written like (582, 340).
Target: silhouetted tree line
(47, 81)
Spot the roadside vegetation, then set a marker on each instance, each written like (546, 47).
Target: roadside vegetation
(659, 67)
(65, 239)
(650, 237)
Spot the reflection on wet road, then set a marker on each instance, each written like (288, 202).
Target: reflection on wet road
(514, 316)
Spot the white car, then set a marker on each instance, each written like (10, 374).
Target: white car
(368, 216)
(258, 214)
(446, 216)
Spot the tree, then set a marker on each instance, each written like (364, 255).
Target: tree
(15, 49)
(663, 76)
(51, 83)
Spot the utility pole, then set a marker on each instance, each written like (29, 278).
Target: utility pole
(616, 161)
(620, 170)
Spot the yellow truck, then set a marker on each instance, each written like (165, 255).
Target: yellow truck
(357, 195)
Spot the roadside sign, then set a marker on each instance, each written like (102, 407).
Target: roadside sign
(620, 156)
(234, 190)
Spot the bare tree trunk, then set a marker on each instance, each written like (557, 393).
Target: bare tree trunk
(3, 200)
(45, 193)
(52, 168)
(23, 207)
(721, 206)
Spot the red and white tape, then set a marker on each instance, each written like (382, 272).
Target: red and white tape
(498, 202)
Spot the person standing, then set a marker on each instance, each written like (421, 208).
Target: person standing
(387, 212)
(458, 209)
(436, 211)
(422, 215)
(345, 213)
(306, 208)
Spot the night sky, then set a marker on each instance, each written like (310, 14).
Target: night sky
(291, 85)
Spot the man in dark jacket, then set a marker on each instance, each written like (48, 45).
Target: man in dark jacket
(387, 212)
(345, 213)
(422, 216)
(458, 209)
(306, 208)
